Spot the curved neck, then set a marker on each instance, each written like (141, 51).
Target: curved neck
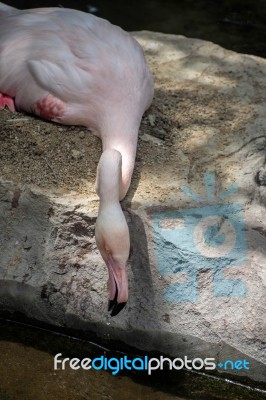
(109, 177)
(115, 169)
(121, 134)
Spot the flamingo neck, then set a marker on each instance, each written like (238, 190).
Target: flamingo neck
(109, 177)
(116, 167)
(120, 132)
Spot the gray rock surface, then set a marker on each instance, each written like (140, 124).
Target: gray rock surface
(197, 272)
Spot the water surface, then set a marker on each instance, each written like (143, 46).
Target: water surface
(238, 25)
(27, 373)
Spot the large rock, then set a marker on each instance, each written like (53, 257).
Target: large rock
(196, 212)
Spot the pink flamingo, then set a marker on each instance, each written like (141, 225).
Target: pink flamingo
(74, 68)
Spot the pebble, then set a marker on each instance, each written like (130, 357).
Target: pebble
(152, 118)
(160, 133)
(76, 154)
(148, 138)
(167, 120)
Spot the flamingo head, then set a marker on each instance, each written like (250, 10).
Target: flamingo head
(112, 238)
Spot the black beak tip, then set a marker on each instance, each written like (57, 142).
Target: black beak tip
(114, 306)
(111, 304)
(117, 307)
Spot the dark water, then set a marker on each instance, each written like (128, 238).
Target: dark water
(238, 25)
(27, 373)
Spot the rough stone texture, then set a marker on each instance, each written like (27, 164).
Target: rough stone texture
(208, 116)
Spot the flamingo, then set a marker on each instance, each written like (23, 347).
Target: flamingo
(74, 68)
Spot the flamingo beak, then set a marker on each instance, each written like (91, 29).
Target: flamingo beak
(118, 286)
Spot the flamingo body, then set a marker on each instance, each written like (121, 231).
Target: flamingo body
(75, 68)
(81, 66)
